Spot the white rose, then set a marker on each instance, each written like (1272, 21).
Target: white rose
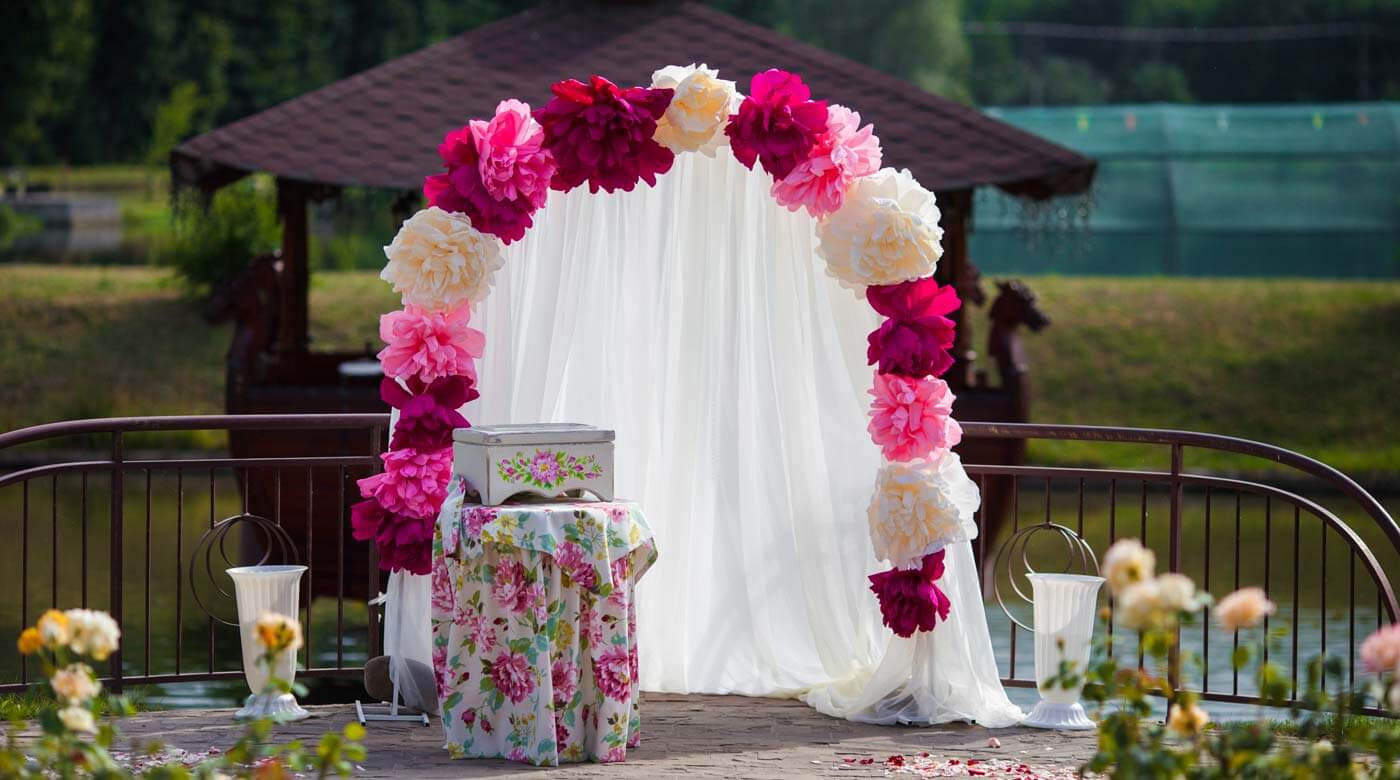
(438, 259)
(1127, 562)
(886, 232)
(1243, 609)
(77, 719)
(699, 110)
(75, 683)
(94, 633)
(1178, 593)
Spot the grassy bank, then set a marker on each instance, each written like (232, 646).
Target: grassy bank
(1301, 363)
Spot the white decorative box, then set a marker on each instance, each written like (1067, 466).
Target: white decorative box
(543, 459)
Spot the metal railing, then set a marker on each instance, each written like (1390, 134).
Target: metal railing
(157, 507)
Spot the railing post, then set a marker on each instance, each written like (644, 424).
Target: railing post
(118, 498)
(1174, 565)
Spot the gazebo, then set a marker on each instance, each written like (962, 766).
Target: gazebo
(380, 128)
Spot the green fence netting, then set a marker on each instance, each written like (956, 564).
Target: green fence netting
(1288, 190)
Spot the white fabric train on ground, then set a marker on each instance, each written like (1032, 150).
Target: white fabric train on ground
(695, 319)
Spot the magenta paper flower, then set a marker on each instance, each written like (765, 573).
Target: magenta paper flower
(915, 340)
(429, 345)
(413, 482)
(909, 599)
(911, 417)
(401, 542)
(498, 172)
(602, 134)
(427, 414)
(777, 124)
(612, 673)
(844, 152)
(512, 676)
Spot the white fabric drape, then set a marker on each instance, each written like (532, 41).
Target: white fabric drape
(695, 319)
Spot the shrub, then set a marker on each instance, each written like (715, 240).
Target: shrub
(213, 244)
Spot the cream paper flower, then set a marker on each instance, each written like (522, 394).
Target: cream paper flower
(77, 719)
(94, 633)
(699, 110)
(438, 259)
(1127, 562)
(886, 232)
(920, 507)
(75, 683)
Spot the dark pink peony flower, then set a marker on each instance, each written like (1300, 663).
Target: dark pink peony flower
(512, 675)
(602, 134)
(512, 588)
(569, 557)
(401, 541)
(777, 124)
(564, 675)
(427, 414)
(915, 340)
(612, 673)
(497, 172)
(909, 599)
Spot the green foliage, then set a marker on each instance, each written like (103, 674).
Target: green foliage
(42, 66)
(1156, 82)
(213, 244)
(175, 118)
(14, 224)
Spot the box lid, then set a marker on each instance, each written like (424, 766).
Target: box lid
(533, 433)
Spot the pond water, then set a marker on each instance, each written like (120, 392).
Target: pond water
(161, 540)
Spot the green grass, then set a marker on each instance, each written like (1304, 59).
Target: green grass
(27, 705)
(1305, 364)
(99, 177)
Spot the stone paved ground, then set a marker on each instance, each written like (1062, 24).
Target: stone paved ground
(689, 736)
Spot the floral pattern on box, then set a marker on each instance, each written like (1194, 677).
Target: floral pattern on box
(534, 629)
(547, 468)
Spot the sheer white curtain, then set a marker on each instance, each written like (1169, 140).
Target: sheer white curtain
(695, 319)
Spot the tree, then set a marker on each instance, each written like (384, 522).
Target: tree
(42, 66)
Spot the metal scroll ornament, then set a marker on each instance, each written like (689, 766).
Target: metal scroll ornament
(276, 544)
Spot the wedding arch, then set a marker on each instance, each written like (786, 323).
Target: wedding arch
(689, 315)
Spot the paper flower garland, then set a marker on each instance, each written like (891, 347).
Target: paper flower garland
(877, 229)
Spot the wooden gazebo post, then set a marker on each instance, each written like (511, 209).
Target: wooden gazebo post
(956, 269)
(292, 200)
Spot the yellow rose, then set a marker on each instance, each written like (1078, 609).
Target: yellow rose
(278, 633)
(1187, 720)
(53, 629)
(700, 108)
(30, 642)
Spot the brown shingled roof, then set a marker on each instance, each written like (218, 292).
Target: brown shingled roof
(381, 128)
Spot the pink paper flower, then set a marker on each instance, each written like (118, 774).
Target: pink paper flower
(843, 153)
(912, 417)
(1380, 653)
(602, 134)
(401, 542)
(909, 599)
(427, 414)
(430, 345)
(915, 340)
(498, 172)
(564, 675)
(511, 674)
(612, 673)
(413, 482)
(777, 124)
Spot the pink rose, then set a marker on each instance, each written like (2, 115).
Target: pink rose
(429, 345)
(509, 587)
(777, 124)
(570, 557)
(912, 418)
(612, 673)
(468, 718)
(512, 676)
(565, 677)
(1380, 653)
(481, 632)
(843, 153)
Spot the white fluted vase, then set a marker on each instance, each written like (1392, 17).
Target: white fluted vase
(1064, 607)
(258, 590)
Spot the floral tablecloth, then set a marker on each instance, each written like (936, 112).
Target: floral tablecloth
(534, 629)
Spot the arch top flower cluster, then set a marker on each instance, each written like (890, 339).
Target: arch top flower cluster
(877, 229)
